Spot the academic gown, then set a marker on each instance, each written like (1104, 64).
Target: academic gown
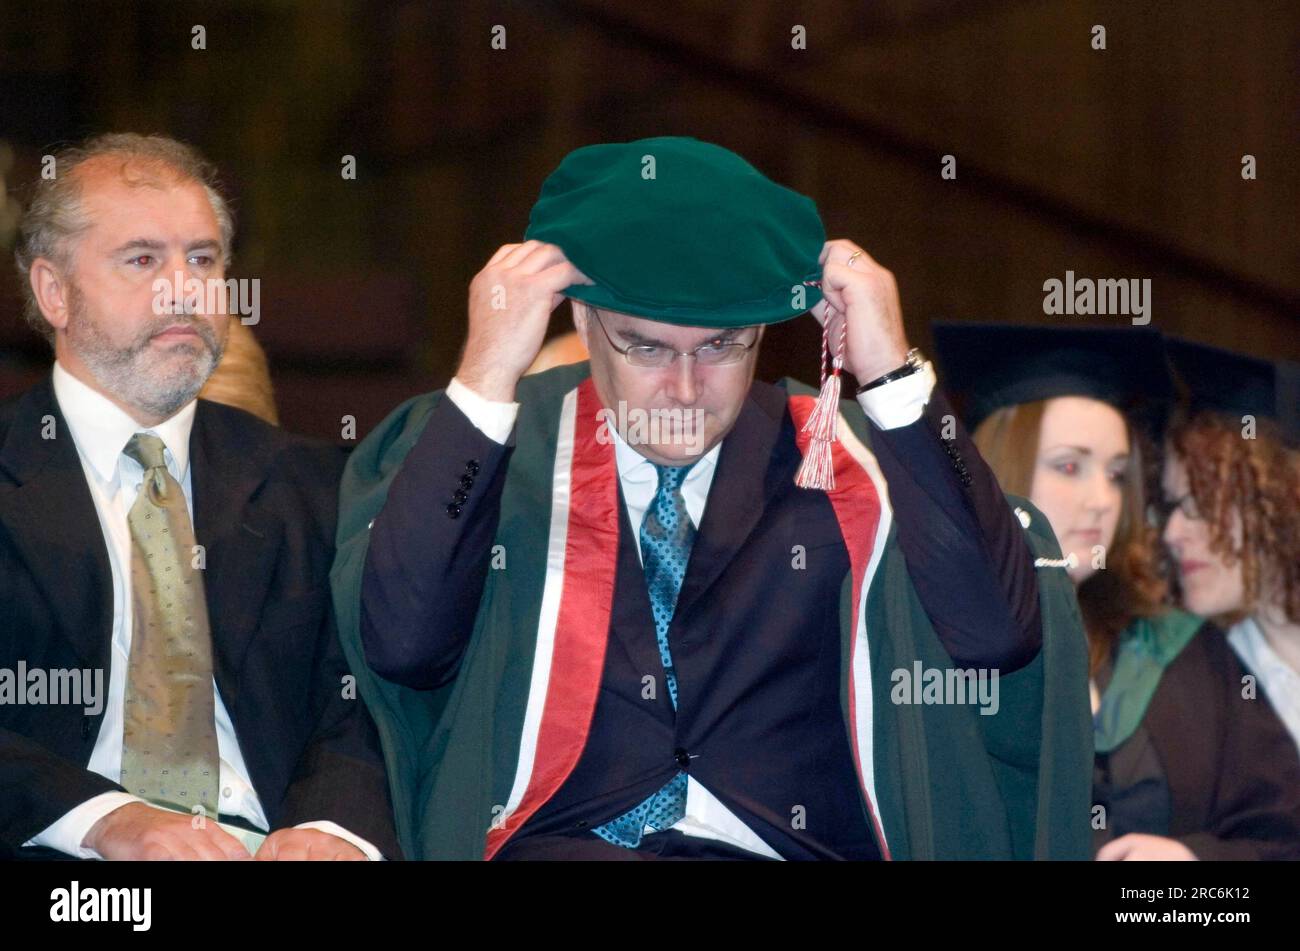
(1205, 765)
(480, 739)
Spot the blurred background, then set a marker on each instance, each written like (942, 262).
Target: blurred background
(1117, 163)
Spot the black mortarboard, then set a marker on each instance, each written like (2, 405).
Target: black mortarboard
(989, 366)
(1237, 384)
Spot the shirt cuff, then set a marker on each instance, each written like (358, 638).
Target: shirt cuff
(492, 418)
(330, 828)
(66, 834)
(899, 402)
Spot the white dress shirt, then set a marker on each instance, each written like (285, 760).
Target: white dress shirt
(1280, 680)
(894, 404)
(100, 431)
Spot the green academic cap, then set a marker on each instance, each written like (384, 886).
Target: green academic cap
(681, 231)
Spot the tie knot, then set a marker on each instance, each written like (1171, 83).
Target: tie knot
(146, 449)
(671, 477)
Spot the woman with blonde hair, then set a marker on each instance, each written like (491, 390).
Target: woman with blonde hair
(1185, 768)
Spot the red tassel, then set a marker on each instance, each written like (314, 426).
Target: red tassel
(817, 471)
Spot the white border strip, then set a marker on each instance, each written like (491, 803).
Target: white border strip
(550, 611)
(862, 650)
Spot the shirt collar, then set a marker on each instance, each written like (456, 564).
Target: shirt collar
(100, 428)
(1261, 655)
(634, 467)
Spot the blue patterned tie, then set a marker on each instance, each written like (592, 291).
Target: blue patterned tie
(666, 538)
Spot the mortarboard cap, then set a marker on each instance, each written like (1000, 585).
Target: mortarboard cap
(1236, 384)
(681, 231)
(989, 366)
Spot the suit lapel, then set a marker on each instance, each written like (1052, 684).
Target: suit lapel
(241, 539)
(50, 516)
(751, 471)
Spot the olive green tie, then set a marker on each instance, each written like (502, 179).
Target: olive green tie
(169, 740)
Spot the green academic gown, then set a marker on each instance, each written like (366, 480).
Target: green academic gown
(947, 782)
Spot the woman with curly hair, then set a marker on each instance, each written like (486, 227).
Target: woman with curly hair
(1184, 767)
(1232, 482)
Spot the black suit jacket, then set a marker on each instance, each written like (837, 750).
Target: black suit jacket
(265, 506)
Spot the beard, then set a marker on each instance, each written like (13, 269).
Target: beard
(158, 382)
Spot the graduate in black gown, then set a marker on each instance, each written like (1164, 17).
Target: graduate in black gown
(1190, 764)
(1232, 488)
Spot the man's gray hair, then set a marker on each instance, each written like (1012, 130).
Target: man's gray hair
(54, 214)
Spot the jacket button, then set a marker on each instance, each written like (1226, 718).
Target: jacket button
(683, 758)
(472, 467)
(453, 510)
(459, 496)
(466, 481)
(580, 824)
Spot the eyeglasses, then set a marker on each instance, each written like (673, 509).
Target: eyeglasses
(715, 353)
(1165, 508)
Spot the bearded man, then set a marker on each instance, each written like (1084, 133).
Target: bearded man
(172, 550)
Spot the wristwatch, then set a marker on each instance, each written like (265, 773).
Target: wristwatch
(913, 363)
